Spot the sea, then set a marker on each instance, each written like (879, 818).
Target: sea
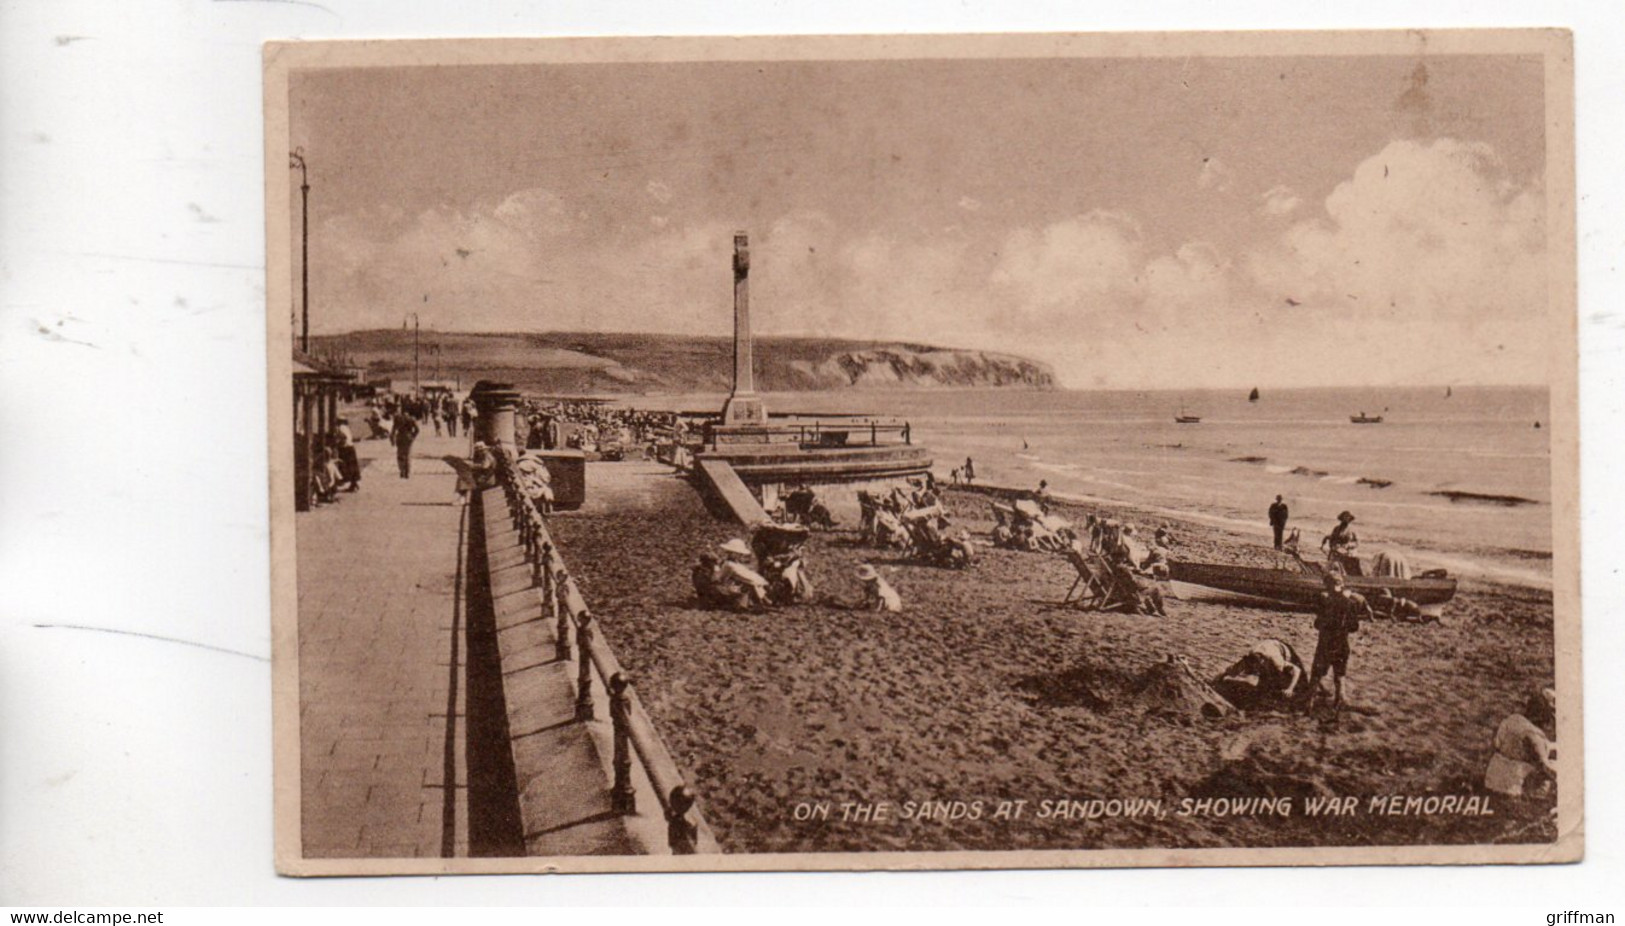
(1125, 447)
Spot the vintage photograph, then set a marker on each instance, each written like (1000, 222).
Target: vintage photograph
(932, 451)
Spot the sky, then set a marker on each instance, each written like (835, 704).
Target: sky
(1134, 223)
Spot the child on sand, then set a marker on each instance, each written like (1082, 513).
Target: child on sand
(878, 595)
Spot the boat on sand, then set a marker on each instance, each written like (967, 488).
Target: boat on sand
(1299, 588)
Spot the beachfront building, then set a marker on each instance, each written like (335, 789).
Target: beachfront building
(317, 391)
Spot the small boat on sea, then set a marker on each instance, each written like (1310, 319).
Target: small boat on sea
(1363, 418)
(1186, 418)
(1300, 588)
(1253, 396)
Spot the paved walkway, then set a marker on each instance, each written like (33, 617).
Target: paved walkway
(383, 764)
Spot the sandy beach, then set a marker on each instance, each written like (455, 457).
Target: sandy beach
(984, 691)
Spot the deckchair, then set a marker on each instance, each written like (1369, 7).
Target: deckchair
(1091, 587)
(1098, 586)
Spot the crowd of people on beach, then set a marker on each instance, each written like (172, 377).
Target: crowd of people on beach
(911, 518)
(595, 427)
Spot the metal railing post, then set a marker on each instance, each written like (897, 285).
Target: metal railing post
(584, 635)
(561, 612)
(682, 834)
(622, 798)
(538, 557)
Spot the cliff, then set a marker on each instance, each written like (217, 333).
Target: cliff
(570, 362)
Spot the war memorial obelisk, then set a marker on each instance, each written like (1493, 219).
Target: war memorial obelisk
(746, 460)
(744, 407)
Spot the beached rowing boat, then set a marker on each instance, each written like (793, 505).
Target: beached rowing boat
(1300, 589)
(1363, 418)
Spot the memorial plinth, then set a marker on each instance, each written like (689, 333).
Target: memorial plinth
(766, 456)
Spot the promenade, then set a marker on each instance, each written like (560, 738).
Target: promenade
(382, 693)
(436, 719)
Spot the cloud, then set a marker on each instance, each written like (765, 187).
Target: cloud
(970, 204)
(1065, 266)
(660, 192)
(1426, 264)
(1424, 237)
(1214, 175)
(1280, 200)
(1091, 296)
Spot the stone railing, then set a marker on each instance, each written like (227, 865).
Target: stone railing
(578, 638)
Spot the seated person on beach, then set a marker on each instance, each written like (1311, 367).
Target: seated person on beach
(1385, 605)
(878, 594)
(1522, 749)
(1155, 564)
(742, 587)
(1147, 594)
(707, 579)
(536, 482)
(1276, 666)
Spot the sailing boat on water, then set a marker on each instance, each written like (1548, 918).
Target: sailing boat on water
(1253, 396)
(1185, 417)
(1447, 392)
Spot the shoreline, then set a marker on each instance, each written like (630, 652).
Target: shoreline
(1459, 563)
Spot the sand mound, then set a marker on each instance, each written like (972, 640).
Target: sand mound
(1171, 688)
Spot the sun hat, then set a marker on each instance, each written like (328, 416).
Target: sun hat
(867, 573)
(736, 546)
(1346, 516)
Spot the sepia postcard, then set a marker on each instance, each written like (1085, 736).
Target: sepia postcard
(924, 452)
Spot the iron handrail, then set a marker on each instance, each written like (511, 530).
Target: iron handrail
(560, 597)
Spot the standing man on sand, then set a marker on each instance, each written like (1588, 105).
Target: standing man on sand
(1337, 614)
(1278, 516)
(402, 436)
(969, 471)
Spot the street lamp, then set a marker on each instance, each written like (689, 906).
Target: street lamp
(296, 158)
(417, 382)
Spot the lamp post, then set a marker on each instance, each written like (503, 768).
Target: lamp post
(417, 380)
(296, 158)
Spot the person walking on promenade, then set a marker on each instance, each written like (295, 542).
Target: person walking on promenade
(402, 436)
(1278, 516)
(448, 411)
